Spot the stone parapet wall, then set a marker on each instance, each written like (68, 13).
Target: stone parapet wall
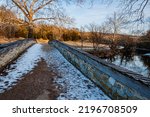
(116, 82)
(13, 50)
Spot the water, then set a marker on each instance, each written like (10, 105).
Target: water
(137, 64)
(131, 60)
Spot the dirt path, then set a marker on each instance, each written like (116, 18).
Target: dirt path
(37, 84)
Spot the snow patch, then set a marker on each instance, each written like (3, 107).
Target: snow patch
(76, 86)
(24, 64)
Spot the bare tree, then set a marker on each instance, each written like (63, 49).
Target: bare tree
(93, 33)
(32, 11)
(7, 16)
(7, 23)
(97, 34)
(82, 32)
(116, 23)
(135, 8)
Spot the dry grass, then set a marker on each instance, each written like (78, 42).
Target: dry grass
(85, 44)
(4, 40)
(78, 43)
(42, 41)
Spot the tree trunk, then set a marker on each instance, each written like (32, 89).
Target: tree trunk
(30, 32)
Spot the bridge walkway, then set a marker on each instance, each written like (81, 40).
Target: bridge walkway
(42, 73)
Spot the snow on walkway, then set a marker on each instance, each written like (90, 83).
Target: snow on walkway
(76, 86)
(23, 65)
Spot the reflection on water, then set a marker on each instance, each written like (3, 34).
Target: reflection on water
(127, 59)
(136, 64)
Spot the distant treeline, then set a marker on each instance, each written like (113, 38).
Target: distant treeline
(144, 41)
(11, 27)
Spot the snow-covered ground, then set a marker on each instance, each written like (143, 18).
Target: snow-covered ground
(75, 85)
(24, 64)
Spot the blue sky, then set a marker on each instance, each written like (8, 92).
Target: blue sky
(98, 13)
(87, 14)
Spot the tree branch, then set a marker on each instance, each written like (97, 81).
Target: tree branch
(33, 3)
(53, 18)
(17, 3)
(43, 5)
(25, 6)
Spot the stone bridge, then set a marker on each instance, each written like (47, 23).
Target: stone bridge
(87, 77)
